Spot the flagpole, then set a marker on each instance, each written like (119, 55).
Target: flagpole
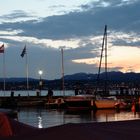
(27, 72)
(4, 73)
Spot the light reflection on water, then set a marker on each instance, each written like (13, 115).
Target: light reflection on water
(43, 118)
(40, 125)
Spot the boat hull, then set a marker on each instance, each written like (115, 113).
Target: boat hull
(78, 105)
(86, 103)
(80, 102)
(105, 104)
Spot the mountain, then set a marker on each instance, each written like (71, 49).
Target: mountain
(20, 79)
(80, 76)
(112, 76)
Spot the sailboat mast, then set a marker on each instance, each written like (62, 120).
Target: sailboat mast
(4, 73)
(104, 48)
(101, 56)
(63, 86)
(27, 72)
(106, 60)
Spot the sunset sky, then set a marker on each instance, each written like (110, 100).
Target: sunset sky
(76, 25)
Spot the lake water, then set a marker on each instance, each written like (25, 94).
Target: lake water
(43, 93)
(43, 118)
(33, 93)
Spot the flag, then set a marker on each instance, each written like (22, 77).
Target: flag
(23, 52)
(2, 48)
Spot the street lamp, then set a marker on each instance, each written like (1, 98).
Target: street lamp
(40, 72)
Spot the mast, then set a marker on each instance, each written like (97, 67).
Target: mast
(27, 72)
(2, 50)
(62, 59)
(106, 90)
(104, 48)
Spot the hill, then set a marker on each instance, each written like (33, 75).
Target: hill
(112, 76)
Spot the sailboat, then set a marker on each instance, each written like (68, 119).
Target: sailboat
(105, 101)
(95, 101)
(59, 102)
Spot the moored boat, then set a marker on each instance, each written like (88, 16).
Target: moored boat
(84, 101)
(80, 102)
(55, 103)
(109, 103)
(88, 102)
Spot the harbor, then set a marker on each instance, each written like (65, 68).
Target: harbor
(60, 101)
(32, 110)
(69, 70)
(13, 101)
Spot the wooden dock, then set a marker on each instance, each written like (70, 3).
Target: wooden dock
(31, 101)
(48, 102)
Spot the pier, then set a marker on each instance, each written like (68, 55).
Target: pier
(55, 102)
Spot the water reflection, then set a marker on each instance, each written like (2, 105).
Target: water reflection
(91, 116)
(39, 118)
(40, 122)
(43, 118)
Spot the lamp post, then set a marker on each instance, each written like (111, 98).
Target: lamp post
(40, 72)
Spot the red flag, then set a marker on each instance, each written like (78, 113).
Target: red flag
(23, 52)
(2, 48)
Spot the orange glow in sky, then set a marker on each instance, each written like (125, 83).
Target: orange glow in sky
(126, 58)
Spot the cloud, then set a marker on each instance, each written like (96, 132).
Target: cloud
(124, 39)
(80, 32)
(17, 15)
(71, 43)
(83, 23)
(10, 32)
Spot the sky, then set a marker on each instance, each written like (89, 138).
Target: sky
(77, 26)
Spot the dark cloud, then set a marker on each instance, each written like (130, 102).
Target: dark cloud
(81, 52)
(16, 14)
(112, 3)
(57, 6)
(121, 42)
(75, 24)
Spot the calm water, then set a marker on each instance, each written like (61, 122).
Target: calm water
(33, 93)
(43, 93)
(43, 118)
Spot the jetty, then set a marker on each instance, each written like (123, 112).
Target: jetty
(31, 101)
(58, 102)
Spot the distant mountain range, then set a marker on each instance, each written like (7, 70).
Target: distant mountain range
(112, 76)
(16, 79)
